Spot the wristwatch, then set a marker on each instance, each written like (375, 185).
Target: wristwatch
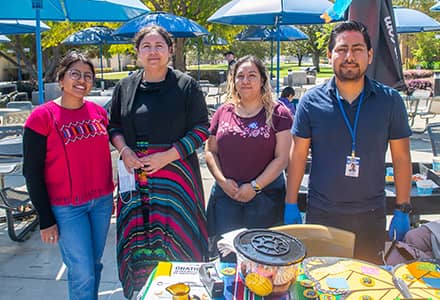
(255, 186)
(405, 207)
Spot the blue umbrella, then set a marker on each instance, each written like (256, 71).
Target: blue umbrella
(265, 33)
(4, 39)
(263, 12)
(274, 12)
(177, 26)
(73, 10)
(212, 40)
(20, 26)
(411, 20)
(97, 35)
(435, 7)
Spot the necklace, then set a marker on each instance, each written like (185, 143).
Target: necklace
(247, 113)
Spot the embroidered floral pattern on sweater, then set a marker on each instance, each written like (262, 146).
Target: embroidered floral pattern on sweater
(245, 130)
(75, 131)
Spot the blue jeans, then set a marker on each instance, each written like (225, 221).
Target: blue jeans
(83, 231)
(266, 209)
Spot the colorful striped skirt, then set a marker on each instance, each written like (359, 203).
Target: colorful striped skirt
(163, 220)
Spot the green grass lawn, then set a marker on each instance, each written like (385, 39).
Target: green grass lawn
(326, 71)
(114, 75)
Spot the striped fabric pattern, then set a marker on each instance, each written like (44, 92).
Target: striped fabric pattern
(163, 220)
(190, 142)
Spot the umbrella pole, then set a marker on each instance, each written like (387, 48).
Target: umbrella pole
(198, 61)
(278, 58)
(39, 56)
(102, 68)
(271, 59)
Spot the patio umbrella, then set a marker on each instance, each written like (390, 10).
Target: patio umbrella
(411, 20)
(20, 26)
(73, 10)
(96, 35)
(266, 33)
(435, 7)
(378, 16)
(177, 26)
(212, 40)
(4, 39)
(275, 12)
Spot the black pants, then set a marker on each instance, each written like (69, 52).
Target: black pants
(369, 227)
(224, 214)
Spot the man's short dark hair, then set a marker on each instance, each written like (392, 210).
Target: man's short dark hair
(349, 26)
(228, 52)
(288, 91)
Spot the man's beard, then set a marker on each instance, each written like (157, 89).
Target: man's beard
(350, 74)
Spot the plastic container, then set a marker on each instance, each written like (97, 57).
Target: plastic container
(424, 187)
(389, 175)
(268, 260)
(436, 164)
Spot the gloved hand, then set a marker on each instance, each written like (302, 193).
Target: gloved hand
(399, 225)
(291, 214)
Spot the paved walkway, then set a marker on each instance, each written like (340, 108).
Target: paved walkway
(33, 270)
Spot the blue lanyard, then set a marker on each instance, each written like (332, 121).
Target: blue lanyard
(353, 129)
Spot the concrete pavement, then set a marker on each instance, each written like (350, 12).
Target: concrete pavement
(33, 270)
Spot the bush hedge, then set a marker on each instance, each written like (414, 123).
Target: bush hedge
(415, 74)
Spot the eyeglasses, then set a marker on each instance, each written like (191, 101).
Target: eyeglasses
(77, 75)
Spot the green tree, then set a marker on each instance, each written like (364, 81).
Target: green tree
(428, 49)
(298, 49)
(419, 44)
(315, 46)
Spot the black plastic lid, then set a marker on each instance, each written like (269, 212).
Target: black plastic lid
(269, 247)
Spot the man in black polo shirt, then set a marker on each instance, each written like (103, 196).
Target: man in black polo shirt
(349, 123)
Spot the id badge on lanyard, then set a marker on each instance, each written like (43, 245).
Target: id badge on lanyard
(352, 166)
(352, 162)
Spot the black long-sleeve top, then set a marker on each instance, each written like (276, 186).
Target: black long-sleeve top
(34, 154)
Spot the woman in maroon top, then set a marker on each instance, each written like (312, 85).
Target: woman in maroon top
(247, 153)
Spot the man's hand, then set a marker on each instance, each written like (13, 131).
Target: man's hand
(292, 214)
(399, 225)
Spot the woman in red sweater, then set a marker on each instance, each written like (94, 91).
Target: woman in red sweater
(67, 166)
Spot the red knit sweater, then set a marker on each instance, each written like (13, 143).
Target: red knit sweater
(78, 163)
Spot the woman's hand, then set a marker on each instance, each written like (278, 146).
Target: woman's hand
(154, 162)
(131, 161)
(245, 193)
(50, 234)
(229, 186)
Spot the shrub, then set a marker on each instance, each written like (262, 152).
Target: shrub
(105, 70)
(418, 84)
(130, 68)
(415, 74)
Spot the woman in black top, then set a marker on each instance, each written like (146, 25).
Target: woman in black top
(158, 120)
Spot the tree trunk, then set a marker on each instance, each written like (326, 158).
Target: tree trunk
(300, 58)
(315, 59)
(51, 64)
(179, 57)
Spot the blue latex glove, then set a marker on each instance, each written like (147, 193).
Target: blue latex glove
(291, 214)
(399, 225)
